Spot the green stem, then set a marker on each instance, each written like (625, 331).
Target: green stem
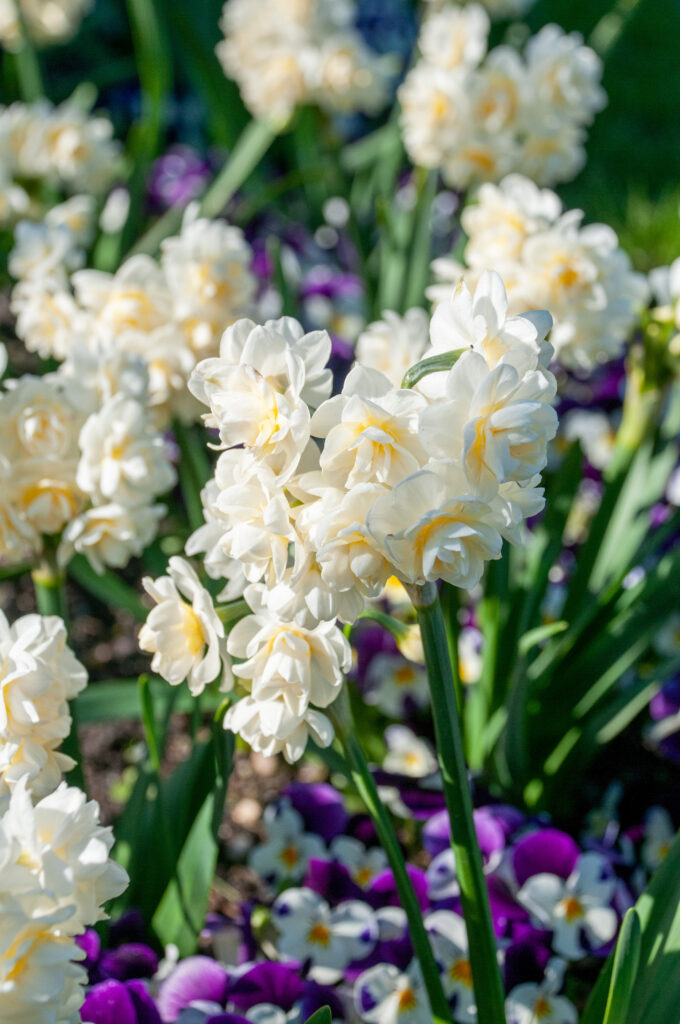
(365, 784)
(449, 601)
(194, 471)
(252, 144)
(486, 977)
(27, 63)
(50, 596)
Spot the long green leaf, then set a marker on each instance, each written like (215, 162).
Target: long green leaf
(322, 1016)
(654, 997)
(626, 960)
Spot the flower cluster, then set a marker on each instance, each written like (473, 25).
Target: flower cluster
(56, 876)
(63, 147)
(46, 21)
(283, 54)
(477, 115)
(424, 483)
(168, 314)
(333, 932)
(80, 462)
(547, 258)
(39, 674)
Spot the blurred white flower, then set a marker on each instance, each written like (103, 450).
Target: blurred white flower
(407, 754)
(38, 676)
(578, 910)
(385, 995)
(530, 1003)
(308, 929)
(549, 261)
(394, 344)
(269, 727)
(392, 684)
(47, 21)
(183, 630)
(282, 55)
(288, 848)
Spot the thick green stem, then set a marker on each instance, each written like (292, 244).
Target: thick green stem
(365, 784)
(486, 977)
(50, 596)
(27, 63)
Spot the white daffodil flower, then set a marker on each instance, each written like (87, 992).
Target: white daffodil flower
(183, 630)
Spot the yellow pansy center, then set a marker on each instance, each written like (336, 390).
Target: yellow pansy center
(407, 1000)
(542, 1008)
(572, 909)
(289, 856)
(461, 971)
(320, 934)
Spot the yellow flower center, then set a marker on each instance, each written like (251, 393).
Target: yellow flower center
(542, 1008)
(407, 1000)
(289, 856)
(192, 629)
(319, 934)
(461, 971)
(572, 909)
(363, 876)
(404, 675)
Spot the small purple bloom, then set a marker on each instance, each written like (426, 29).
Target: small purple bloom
(117, 1002)
(277, 983)
(177, 177)
(546, 850)
(321, 808)
(382, 891)
(197, 977)
(331, 880)
(91, 945)
(131, 960)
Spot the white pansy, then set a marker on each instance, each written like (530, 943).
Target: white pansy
(286, 54)
(659, 834)
(385, 995)
(532, 1003)
(362, 863)
(578, 910)
(392, 684)
(287, 851)
(207, 268)
(394, 344)
(110, 535)
(123, 458)
(370, 431)
(183, 630)
(284, 661)
(450, 944)
(432, 526)
(269, 727)
(407, 754)
(332, 938)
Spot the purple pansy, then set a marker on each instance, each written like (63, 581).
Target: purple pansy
(197, 977)
(177, 177)
(321, 808)
(117, 1002)
(545, 850)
